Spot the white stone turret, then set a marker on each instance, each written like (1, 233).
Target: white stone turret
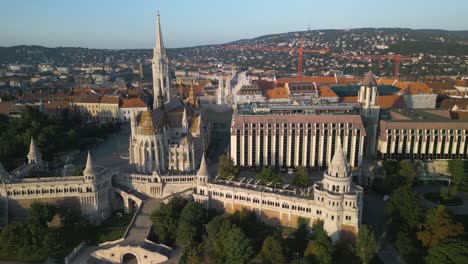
(34, 156)
(370, 110)
(337, 178)
(367, 94)
(89, 172)
(203, 176)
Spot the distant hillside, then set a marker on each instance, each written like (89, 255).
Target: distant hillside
(440, 43)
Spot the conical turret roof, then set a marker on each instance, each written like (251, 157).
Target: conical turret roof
(203, 170)
(34, 153)
(369, 80)
(89, 165)
(339, 164)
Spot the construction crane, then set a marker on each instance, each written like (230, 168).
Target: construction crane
(396, 58)
(299, 51)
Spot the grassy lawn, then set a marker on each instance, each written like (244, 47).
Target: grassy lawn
(110, 235)
(435, 198)
(114, 227)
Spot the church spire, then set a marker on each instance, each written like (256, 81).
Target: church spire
(159, 39)
(161, 80)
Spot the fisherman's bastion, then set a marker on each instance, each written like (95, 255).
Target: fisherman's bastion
(166, 157)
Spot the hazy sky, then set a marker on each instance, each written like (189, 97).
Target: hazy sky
(131, 23)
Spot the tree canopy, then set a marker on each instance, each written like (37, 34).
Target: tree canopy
(52, 135)
(404, 206)
(439, 226)
(272, 251)
(166, 219)
(448, 252)
(229, 242)
(190, 226)
(269, 175)
(41, 213)
(301, 179)
(226, 168)
(365, 244)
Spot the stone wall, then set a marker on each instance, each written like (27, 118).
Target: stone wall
(17, 209)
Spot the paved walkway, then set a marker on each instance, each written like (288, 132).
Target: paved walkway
(142, 222)
(136, 235)
(459, 210)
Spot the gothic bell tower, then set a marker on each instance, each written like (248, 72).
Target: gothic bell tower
(160, 68)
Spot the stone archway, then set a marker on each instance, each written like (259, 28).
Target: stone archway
(132, 205)
(129, 258)
(118, 201)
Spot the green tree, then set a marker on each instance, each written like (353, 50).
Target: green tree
(457, 170)
(439, 226)
(405, 245)
(229, 243)
(237, 246)
(318, 231)
(299, 239)
(226, 168)
(272, 251)
(301, 179)
(165, 220)
(214, 230)
(406, 172)
(365, 244)
(448, 252)
(320, 249)
(190, 226)
(320, 252)
(404, 207)
(269, 175)
(41, 213)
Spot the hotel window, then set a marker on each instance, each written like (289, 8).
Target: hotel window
(261, 148)
(254, 147)
(293, 147)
